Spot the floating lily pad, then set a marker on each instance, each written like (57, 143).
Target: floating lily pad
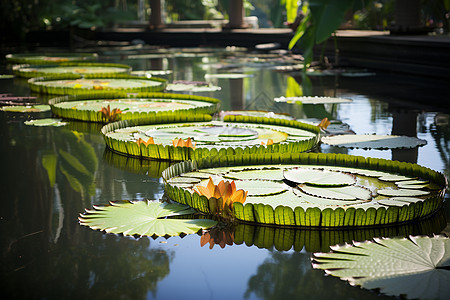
(228, 75)
(26, 108)
(317, 177)
(209, 138)
(63, 69)
(415, 267)
(135, 106)
(256, 113)
(49, 58)
(371, 141)
(192, 86)
(46, 122)
(341, 202)
(313, 100)
(6, 76)
(143, 218)
(92, 84)
(149, 73)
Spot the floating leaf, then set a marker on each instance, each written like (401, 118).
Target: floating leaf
(143, 218)
(317, 177)
(402, 193)
(313, 100)
(372, 141)
(340, 193)
(46, 122)
(417, 267)
(26, 108)
(228, 75)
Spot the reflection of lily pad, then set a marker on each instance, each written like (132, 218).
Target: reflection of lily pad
(26, 109)
(313, 100)
(143, 218)
(46, 122)
(372, 141)
(417, 267)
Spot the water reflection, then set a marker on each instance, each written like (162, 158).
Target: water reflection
(314, 240)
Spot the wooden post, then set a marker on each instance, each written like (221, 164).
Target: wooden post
(236, 13)
(155, 15)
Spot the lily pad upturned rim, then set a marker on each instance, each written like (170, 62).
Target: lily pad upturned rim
(19, 70)
(352, 217)
(58, 90)
(36, 58)
(170, 152)
(95, 116)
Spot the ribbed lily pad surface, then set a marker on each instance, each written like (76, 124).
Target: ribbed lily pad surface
(242, 135)
(319, 202)
(95, 84)
(132, 106)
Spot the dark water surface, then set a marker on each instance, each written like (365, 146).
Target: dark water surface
(46, 254)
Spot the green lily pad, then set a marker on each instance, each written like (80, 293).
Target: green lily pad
(186, 86)
(318, 177)
(358, 203)
(402, 193)
(372, 141)
(415, 267)
(6, 76)
(313, 100)
(228, 75)
(143, 218)
(26, 109)
(46, 122)
(340, 193)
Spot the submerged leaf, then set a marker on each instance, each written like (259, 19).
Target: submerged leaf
(143, 218)
(417, 267)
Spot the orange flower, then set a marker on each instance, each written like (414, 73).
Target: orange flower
(225, 190)
(146, 143)
(324, 123)
(182, 143)
(110, 115)
(269, 142)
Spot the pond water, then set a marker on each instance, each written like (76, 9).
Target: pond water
(46, 254)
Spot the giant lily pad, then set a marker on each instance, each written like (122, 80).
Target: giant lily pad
(372, 141)
(135, 106)
(143, 218)
(92, 84)
(63, 69)
(253, 135)
(192, 86)
(49, 58)
(46, 122)
(26, 108)
(415, 267)
(313, 100)
(315, 196)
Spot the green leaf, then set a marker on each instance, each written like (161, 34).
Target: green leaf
(402, 193)
(143, 218)
(329, 15)
(340, 193)
(26, 109)
(372, 141)
(417, 267)
(317, 177)
(46, 122)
